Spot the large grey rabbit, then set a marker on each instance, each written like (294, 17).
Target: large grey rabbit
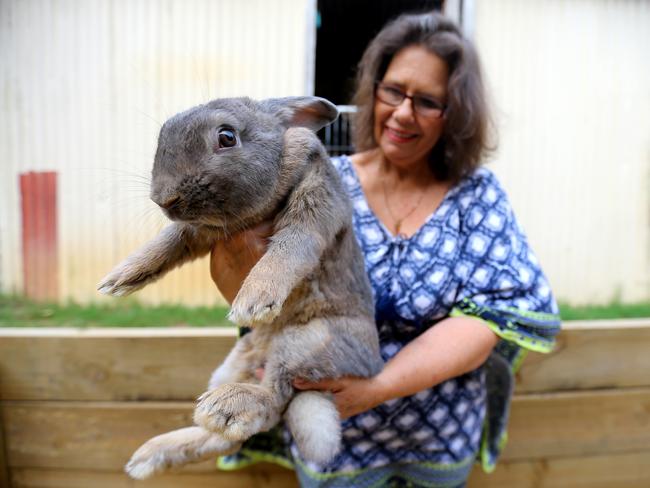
(226, 166)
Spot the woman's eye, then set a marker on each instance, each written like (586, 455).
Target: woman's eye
(227, 138)
(394, 92)
(429, 103)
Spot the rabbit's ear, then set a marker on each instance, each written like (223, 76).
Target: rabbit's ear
(311, 112)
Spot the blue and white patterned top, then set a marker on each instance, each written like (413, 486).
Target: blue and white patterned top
(469, 254)
(470, 257)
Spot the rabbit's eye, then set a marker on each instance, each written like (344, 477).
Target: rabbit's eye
(227, 137)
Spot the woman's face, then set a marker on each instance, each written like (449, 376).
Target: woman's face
(404, 136)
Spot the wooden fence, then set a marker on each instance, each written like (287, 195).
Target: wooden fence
(75, 404)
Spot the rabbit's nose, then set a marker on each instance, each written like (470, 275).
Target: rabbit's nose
(169, 202)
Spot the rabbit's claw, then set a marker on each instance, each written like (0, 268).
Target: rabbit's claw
(259, 307)
(123, 280)
(236, 411)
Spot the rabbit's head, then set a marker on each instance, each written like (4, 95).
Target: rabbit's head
(221, 161)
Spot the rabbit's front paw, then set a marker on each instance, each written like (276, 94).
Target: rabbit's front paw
(256, 305)
(125, 279)
(236, 411)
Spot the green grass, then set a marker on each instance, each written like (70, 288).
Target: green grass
(614, 310)
(20, 312)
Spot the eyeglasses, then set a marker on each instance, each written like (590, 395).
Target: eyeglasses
(394, 96)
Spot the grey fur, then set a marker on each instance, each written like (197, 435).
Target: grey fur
(308, 299)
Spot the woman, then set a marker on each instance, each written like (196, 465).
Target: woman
(452, 274)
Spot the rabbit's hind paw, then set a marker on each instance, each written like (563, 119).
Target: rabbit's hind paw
(237, 410)
(175, 449)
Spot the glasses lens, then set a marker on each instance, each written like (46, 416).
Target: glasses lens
(427, 106)
(389, 94)
(423, 105)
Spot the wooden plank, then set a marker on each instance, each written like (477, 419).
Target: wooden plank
(102, 436)
(579, 423)
(4, 468)
(259, 476)
(91, 366)
(626, 470)
(175, 364)
(591, 357)
(82, 435)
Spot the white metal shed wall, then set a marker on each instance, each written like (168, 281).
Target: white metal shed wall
(86, 84)
(85, 87)
(571, 81)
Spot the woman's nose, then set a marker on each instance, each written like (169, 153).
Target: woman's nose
(404, 111)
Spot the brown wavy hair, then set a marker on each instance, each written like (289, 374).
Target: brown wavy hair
(467, 129)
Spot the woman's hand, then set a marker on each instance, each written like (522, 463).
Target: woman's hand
(454, 346)
(352, 395)
(232, 259)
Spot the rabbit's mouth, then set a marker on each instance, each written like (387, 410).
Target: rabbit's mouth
(210, 222)
(223, 226)
(227, 225)
(188, 211)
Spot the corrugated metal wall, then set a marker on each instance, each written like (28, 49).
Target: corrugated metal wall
(85, 87)
(571, 81)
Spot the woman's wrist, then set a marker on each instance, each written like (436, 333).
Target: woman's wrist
(381, 388)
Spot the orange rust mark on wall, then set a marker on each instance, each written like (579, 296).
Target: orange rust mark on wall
(39, 239)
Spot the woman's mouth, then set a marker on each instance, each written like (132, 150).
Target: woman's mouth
(399, 136)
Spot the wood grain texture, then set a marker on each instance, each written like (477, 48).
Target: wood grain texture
(579, 423)
(102, 436)
(75, 404)
(4, 468)
(109, 368)
(626, 470)
(259, 476)
(175, 364)
(94, 436)
(591, 357)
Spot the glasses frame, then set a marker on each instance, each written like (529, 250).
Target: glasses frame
(413, 98)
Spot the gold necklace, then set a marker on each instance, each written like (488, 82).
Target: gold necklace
(399, 220)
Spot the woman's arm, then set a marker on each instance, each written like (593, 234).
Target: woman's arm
(452, 347)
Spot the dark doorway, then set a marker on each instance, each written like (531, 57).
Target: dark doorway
(345, 27)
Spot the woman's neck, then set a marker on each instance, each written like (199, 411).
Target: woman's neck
(402, 198)
(413, 174)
